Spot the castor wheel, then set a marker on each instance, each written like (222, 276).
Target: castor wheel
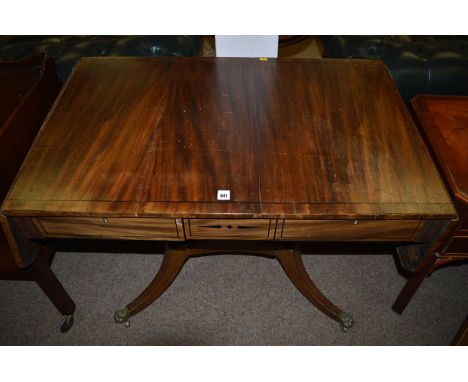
(66, 323)
(346, 321)
(121, 317)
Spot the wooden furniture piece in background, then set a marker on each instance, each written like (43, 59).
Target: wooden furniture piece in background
(444, 124)
(27, 90)
(231, 155)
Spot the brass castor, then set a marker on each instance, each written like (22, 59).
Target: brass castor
(346, 321)
(121, 317)
(66, 323)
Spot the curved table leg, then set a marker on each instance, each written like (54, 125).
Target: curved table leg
(291, 261)
(173, 261)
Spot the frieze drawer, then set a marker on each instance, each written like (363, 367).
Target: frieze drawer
(348, 229)
(260, 229)
(125, 228)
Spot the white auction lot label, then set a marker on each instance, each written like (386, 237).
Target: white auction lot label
(224, 194)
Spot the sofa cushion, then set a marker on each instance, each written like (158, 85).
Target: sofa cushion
(417, 64)
(65, 51)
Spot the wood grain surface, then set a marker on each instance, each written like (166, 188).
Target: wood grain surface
(124, 228)
(258, 229)
(444, 120)
(349, 229)
(157, 137)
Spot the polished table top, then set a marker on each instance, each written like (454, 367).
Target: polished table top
(290, 138)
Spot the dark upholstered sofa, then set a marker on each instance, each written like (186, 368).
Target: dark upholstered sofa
(418, 64)
(65, 51)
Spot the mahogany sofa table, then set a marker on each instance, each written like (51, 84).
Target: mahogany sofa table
(444, 124)
(229, 155)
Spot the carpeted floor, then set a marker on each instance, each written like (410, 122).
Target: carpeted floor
(234, 300)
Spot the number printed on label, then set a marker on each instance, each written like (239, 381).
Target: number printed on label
(224, 194)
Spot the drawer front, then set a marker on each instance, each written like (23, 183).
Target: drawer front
(457, 246)
(253, 229)
(348, 229)
(114, 228)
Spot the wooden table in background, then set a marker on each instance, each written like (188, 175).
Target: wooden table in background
(444, 124)
(310, 150)
(28, 89)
